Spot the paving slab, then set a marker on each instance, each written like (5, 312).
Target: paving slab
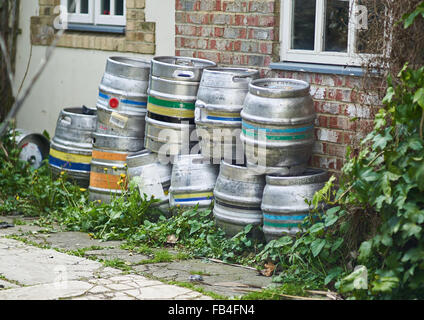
(45, 274)
(223, 279)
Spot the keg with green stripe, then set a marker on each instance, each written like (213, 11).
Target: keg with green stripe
(192, 182)
(122, 99)
(219, 101)
(238, 196)
(173, 86)
(283, 205)
(152, 177)
(71, 146)
(278, 126)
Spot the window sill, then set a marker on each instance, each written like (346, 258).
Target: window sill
(96, 28)
(318, 68)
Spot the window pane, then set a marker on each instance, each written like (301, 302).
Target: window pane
(71, 6)
(105, 8)
(119, 7)
(336, 25)
(371, 22)
(84, 6)
(303, 32)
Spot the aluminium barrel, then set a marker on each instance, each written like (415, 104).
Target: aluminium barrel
(173, 86)
(238, 196)
(283, 203)
(192, 182)
(122, 99)
(72, 145)
(151, 176)
(108, 175)
(278, 126)
(220, 98)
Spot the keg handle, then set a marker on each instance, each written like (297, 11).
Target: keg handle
(66, 120)
(246, 78)
(183, 74)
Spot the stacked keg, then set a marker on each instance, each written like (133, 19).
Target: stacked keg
(219, 102)
(173, 86)
(71, 146)
(121, 111)
(278, 135)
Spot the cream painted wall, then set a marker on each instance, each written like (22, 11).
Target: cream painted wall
(72, 76)
(163, 13)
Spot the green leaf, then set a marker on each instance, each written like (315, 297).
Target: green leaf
(317, 246)
(365, 250)
(384, 284)
(419, 97)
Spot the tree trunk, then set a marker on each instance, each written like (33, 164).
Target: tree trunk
(9, 22)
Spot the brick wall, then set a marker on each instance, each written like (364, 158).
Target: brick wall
(243, 33)
(139, 36)
(246, 33)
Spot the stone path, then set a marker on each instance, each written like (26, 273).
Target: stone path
(31, 267)
(30, 273)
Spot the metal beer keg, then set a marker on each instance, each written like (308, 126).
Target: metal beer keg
(72, 145)
(278, 126)
(192, 181)
(238, 196)
(219, 102)
(173, 86)
(283, 204)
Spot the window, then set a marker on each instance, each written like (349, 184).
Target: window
(322, 31)
(95, 12)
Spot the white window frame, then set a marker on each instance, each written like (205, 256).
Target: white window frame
(94, 16)
(78, 17)
(350, 57)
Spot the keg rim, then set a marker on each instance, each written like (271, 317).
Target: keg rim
(239, 72)
(310, 175)
(158, 60)
(77, 111)
(145, 64)
(258, 87)
(140, 157)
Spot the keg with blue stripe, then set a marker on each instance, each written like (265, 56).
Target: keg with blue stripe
(173, 86)
(192, 182)
(219, 102)
(278, 126)
(283, 203)
(238, 196)
(71, 146)
(152, 177)
(122, 100)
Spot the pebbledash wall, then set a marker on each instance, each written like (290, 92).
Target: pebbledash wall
(247, 34)
(73, 74)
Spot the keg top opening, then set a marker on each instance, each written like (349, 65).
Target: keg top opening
(279, 87)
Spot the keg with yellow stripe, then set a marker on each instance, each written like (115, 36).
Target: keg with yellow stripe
(278, 126)
(152, 177)
(108, 176)
(71, 146)
(192, 182)
(219, 101)
(173, 86)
